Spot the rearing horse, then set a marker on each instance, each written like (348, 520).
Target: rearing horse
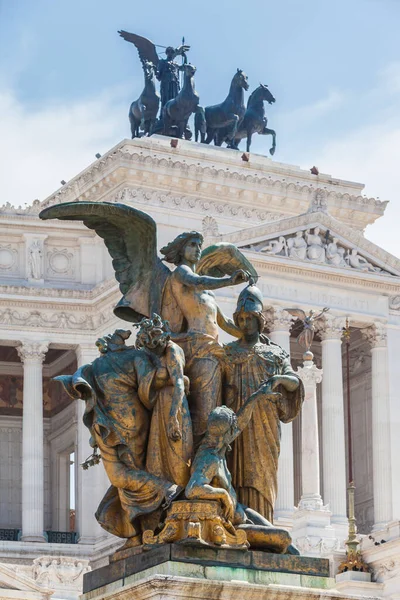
(177, 111)
(143, 111)
(229, 113)
(254, 120)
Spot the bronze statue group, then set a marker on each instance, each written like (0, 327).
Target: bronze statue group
(228, 122)
(164, 412)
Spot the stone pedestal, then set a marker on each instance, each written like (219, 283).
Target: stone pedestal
(188, 573)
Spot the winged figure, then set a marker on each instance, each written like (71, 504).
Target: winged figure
(183, 296)
(306, 336)
(167, 70)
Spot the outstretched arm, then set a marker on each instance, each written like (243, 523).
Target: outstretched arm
(187, 277)
(227, 324)
(265, 392)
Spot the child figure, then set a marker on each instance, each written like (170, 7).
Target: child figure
(210, 478)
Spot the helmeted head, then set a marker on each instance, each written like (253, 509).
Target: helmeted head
(170, 52)
(250, 303)
(174, 252)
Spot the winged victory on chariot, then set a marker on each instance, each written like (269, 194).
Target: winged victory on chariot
(168, 112)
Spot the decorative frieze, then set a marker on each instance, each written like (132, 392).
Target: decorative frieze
(60, 320)
(193, 203)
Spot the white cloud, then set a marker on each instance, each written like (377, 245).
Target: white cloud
(371, 155)
(39, 147)
(299, 117)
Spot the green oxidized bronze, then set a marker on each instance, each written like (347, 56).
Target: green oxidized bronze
(164, 412)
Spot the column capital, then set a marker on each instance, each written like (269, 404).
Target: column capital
(278, 319)
(375, 335)
(330, 327)
(310, 374)
(32, 351)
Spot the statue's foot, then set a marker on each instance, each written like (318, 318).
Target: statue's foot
(272, 539)
(131, 542)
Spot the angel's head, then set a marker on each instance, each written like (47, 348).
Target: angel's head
(185, 247)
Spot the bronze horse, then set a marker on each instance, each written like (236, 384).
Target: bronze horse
(143, 111)
(176, 112)
(227, 115)
(254, 120)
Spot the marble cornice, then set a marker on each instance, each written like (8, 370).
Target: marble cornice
(58, 295)
(349, 279)
(214, 173)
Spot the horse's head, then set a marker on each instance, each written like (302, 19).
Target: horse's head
(148, 69)
(240, 79)
(189, 70)
(266, 94)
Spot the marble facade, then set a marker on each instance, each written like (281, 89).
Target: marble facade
(304, 234)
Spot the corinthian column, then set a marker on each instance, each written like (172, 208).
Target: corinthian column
(91, 484)
(381, 451)
(32, 356)
(280, 323)
(311, 492)
(333, 438)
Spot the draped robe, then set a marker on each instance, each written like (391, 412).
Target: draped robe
(119, 397)
(253, 461)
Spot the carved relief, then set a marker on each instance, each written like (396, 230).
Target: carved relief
(61, 320)
(8, 258)
(315, 245)
(60, 263)
(35, 260)
(158, 198)
(210, 227)
(60, 571)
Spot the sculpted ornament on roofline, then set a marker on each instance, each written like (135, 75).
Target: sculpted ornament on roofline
(315, 245)
(73, 190)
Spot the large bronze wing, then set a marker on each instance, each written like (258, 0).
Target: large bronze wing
(131, 239)
(223, 259)
(145, 47)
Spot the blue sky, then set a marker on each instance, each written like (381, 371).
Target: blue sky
(67, 79)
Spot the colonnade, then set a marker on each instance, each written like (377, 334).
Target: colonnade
(92, 484)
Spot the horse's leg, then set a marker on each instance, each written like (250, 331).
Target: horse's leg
(210, 135)
(267, 131)
(249, 135)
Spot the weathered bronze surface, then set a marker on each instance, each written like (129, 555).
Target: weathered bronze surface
(164, 412)
(252, 360)
(228, 122)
